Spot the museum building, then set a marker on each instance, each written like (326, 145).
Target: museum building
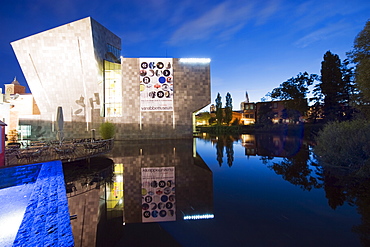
(78, 67)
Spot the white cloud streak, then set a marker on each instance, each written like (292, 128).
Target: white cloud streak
(221, 21)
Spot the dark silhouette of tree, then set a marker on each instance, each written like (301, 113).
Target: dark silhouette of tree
(294, 91)
(333, 89)
(220, 150)
(350, 94)
(219, 114)
(265, 113)
(360, 55)
(230, 151)
(296, 170)
(228, 109)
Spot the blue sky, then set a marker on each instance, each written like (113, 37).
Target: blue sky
(254, 45)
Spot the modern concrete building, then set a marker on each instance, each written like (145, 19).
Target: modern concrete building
(78, 66)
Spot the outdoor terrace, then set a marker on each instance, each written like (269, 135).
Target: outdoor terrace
(66, 151)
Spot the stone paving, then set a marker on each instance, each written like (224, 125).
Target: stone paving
(46, 220)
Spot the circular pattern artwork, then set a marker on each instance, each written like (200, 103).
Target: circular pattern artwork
(157, 76)
(158, 194)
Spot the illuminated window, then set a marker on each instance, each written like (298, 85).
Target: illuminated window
(24, 131)
(112, 89)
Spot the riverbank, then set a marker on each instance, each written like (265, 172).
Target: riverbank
(294, 129)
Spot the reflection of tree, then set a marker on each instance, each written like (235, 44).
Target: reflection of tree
(220, 150)
(341, 186)
(296, 170)
(265, 159)
(225, 141)
(363, 203)
(230, 152)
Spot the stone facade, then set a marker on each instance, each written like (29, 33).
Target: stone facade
(65, 66)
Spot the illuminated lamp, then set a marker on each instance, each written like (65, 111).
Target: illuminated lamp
(195, 60)
(199, 217)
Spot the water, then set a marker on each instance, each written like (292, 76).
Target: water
(250, 191)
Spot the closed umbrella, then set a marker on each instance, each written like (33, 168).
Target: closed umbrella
(60, 123)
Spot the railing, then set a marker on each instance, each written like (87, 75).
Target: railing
(47, 151)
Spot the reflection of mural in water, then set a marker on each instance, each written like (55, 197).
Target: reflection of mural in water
(105, 213)
(193, 177)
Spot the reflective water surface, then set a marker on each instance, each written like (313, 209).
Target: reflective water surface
(248, 190)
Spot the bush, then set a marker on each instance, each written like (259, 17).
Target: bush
(107, 130)
(345, 144)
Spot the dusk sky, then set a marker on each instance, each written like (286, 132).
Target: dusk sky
(254, 45)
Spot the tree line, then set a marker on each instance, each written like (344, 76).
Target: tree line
(342, 90)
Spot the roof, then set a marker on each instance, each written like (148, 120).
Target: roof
(2, 123)
(15, 82)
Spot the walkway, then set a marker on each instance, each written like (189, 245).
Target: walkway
(48, 151)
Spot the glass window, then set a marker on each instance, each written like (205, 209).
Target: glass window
(116, 52)
(112, 89)
(24, 131)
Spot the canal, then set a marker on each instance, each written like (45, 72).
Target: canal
(245, 190)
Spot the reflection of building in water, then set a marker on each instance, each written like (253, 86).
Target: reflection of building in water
(85, 188)
(271, 145)
(249, 142)
(98, 207)
(193, 179)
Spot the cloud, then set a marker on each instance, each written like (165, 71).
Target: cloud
(327, 32)
(224, 19)
(267, 11)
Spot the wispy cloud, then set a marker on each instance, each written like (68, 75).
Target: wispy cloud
(226, 19)
(327, 32)
(222, 20)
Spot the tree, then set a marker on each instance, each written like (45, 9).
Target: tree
(265, 113)
(331, 85)
(360, 55)
(107, 130)
(219, 114)
(294, 91)
(228, 109)
(203, 117)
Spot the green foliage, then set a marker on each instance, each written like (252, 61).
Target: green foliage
(265, 114)
(345, 144)
(107, 130)
(361, 56)
(219, 115)
(228, 109)
(336, 87)
(211, 120)
(203, 116)
(235, 122)
(295, 90)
